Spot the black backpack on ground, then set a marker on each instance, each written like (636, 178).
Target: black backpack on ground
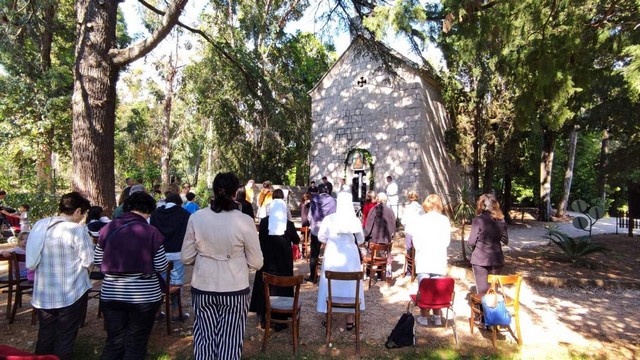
(403, 333)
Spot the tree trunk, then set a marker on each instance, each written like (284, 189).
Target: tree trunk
(94, 102)
(165, 158)
(568, 174)
(602, 167)
(546, 165)
(43, 163)
(508, 199)
(210, 154)
(489, 167)
(476, 148)
(95, 72)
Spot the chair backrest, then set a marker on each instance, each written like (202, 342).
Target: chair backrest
(436, 291)
(282, 281)
(375, 250)
(304, 231)
(9, 259)
(16, 259)
(508, 282)
(345, 276)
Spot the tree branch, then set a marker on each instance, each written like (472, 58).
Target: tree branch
(122, 57)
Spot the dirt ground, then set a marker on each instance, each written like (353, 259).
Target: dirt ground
(560, 321)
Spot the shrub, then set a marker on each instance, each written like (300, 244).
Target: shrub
(41, 204)
(574, 248)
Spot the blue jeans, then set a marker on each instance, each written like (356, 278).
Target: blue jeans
(177, 274)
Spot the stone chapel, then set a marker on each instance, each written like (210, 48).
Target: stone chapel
(369, 122)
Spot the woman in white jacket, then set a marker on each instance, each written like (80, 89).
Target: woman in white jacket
(431, 236)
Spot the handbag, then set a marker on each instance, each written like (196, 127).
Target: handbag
(494, 309)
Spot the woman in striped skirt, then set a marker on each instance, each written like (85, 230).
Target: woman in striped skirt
(223, 244)
(130, 253)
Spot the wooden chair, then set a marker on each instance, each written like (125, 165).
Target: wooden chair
(352, 303)
(410, 263)
(509, 287)
(376, 261)
(96, 277)
(7, 283)
(169, 291)
(289, 306)
(436, 293)
(23, 287)
(306, 241)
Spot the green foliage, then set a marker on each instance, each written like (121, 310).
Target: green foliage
(464, 209)
(464, 204)
(591, 215)
(256, 98)
(574, 249)
(41, 204)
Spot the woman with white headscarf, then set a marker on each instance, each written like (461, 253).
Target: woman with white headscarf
(276, 235)
(340, 232)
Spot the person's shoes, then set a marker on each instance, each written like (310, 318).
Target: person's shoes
(349, 326)
(309, 279)
(280, 327)
(185, 317)
(437, 320)
(160, 316)
(422, 320)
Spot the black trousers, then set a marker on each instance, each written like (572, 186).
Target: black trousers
(59, 328)
(128, 328)
(481, 274)
(313, 258)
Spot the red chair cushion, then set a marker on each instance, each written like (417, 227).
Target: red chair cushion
(435, 293)
(11, 353)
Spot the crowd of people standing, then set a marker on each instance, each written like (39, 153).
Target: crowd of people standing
(220, 241)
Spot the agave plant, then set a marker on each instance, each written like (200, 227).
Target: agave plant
(574, 248)
(464, 209)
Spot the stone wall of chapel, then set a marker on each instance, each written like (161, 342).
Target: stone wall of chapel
(399, 119)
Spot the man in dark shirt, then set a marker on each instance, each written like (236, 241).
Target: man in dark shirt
(313, 188)
(171, 220)
(327, 185)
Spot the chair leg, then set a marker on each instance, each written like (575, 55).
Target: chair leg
(357, 331)
(519, 339)
(167, 311)
(294, 328)
(9, 299)
(33, 316)
(328, 321)
(494, 336)
(267, 327)
(14, 308)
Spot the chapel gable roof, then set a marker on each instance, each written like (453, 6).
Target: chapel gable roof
(387, 55)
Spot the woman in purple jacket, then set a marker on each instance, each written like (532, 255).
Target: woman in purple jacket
(488, 233)
(130, 253)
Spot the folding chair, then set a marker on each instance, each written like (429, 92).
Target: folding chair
(436, 293)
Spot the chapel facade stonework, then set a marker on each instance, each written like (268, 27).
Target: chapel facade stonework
(399, 119)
